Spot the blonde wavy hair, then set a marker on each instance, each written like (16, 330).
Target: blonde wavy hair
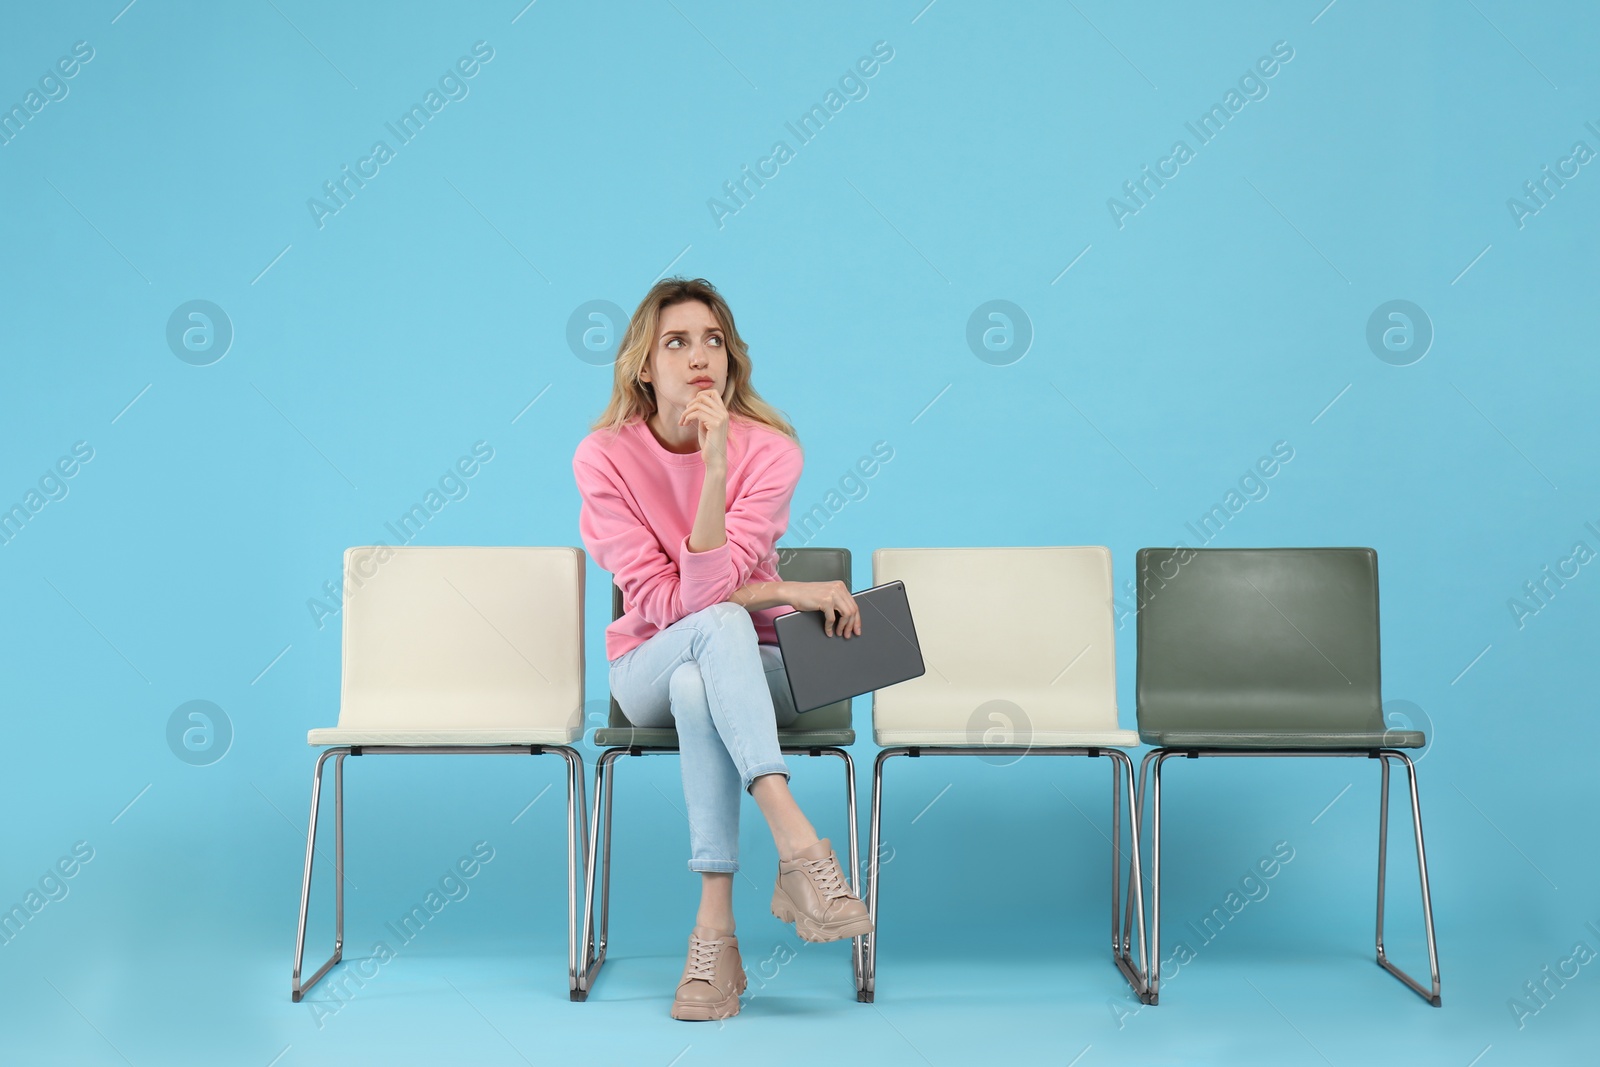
(634, 399)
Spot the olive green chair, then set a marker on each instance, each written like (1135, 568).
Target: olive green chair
(1267, 652)
(824, 731)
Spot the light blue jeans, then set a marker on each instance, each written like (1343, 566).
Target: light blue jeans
(727, 695)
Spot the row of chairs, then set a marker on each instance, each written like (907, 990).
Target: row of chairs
(1241, 653)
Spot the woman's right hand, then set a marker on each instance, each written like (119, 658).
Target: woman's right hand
(710, 415)
(833, 599)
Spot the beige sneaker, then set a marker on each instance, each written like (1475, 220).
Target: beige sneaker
(713, 978)
(813, 894)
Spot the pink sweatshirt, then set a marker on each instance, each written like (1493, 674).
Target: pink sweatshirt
(638, 508)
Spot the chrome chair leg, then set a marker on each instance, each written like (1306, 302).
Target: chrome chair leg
(597, 884)
(1159, 756)
(577, 861)
(297, 988)
(1152, 960)
(1119, 942)
(605, 870)
(1431, 995)
(1153, 964)
(587, 939)
(1135, 816)
(338, 852)
(856, 943)
(593, 937)
(867, 987)
(1136, 972)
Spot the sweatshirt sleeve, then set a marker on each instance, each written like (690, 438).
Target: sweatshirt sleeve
(755, 520)
(618, 540)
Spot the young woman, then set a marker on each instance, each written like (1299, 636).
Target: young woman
(685, 483)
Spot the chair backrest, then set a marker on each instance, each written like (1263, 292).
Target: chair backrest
(1258, 640)
(462, 638)
(1028, 626)
(794, 565)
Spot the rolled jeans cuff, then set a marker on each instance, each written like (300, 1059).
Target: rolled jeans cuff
(713, 866)
(765, 768)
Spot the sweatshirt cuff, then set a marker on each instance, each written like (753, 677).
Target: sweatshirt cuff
(708, 566)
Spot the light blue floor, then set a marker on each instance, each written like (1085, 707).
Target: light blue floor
(991, 944)
(480, 1000)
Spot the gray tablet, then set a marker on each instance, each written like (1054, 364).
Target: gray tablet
(823, 670)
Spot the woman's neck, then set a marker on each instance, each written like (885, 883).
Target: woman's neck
(686, 442)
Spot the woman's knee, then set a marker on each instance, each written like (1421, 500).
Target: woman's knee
(686, 689)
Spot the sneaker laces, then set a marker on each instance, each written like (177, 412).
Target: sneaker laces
(827, 877)
(703, 959)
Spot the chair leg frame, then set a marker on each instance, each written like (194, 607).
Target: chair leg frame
(297, 988)
(1133, 970)
(1431, 995)
(577, 836)
(593, 937)
(1157, 757)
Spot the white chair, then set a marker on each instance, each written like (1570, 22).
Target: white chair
(459, 650)
(1020, 653)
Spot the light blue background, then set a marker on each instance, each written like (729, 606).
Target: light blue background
(1230, 313)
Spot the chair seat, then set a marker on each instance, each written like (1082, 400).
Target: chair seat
(666, 738)
(947, 738)
(526, 736)
(1271, 739)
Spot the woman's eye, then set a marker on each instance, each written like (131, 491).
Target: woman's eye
(715, 338)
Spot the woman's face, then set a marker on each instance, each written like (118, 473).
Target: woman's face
(689, 345)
